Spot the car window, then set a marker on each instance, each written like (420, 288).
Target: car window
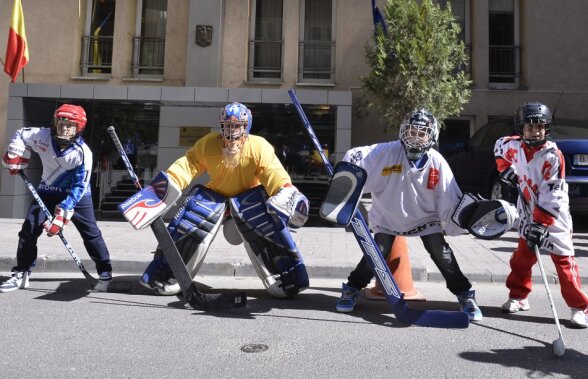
(567, 131)
(486, 137)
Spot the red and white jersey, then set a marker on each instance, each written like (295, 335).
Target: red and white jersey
(406, 200)
(541, 174)
(65, 172)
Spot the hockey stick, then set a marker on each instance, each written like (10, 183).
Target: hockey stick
(431, 318)
(193, 296)
(68, 247)
(559, 347)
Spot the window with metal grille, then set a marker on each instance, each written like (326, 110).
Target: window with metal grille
(316, 62)
(96, 57)
(265, 41)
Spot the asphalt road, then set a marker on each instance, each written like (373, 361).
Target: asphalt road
(59, 329)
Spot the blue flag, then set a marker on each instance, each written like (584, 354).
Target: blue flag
(378, 18)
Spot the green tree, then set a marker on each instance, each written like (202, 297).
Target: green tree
(418, 63)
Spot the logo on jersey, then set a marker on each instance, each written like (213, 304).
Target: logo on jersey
(433, 178)
(394, 169)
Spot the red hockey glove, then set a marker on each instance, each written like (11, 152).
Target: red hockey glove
(16, 158)
(60, 220)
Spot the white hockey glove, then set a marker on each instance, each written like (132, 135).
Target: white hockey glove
(60, 220)
(16, 158)
(290, 204)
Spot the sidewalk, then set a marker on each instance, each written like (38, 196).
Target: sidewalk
(328, 253)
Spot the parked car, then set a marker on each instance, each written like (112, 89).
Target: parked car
(475, 168)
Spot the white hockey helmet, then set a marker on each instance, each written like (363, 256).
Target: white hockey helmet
(418, 133)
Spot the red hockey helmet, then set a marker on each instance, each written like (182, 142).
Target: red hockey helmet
(72, 113)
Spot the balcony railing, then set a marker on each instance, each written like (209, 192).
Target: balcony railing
(96, 55)
(316, 61)
(505, 66)
(148, 56)
(265, 60)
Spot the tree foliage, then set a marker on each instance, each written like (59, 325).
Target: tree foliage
(419, 63)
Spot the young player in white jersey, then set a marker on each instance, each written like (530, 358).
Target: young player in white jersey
(413, 193)
(536, 165)
(67, 166)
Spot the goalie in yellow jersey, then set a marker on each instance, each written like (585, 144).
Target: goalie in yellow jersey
(247, 178)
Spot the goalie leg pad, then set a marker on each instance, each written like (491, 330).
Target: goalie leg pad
(344, 193)
(196, 224)
(193, 229)
(268, 243)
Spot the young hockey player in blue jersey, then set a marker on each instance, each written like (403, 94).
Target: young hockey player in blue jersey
(413, 193)
(247, 176)
(67, 166)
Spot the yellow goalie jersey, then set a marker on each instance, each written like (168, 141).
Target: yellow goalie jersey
(257, 164)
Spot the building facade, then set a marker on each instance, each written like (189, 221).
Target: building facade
(159, 71)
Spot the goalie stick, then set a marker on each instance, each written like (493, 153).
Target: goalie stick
(193, 296)
(430, 318)
(68, 247)
(559, 347)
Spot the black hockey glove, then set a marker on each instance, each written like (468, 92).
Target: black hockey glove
(510, 177)
(536, 234)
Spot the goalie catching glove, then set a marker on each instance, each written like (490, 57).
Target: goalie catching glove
(60, 220)
(16, 158)
(291, 205)
(485, 219)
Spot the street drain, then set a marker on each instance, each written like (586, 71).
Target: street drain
(254, 348)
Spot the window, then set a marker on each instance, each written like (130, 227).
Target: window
(317, 45)
(149, 42)
(265, 41)
(96, 57)
(503, 40)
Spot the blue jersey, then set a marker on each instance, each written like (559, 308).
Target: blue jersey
(65, 172)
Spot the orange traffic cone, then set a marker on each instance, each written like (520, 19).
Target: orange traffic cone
(399, 264)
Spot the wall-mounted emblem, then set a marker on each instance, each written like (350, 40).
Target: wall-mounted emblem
(203, 35)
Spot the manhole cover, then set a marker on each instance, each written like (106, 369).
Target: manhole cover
(254, 348)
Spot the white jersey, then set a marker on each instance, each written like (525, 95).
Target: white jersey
(66, 172)
(542, 181)
(406, 200)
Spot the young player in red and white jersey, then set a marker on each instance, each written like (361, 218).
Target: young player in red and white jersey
(413, 193)
(536, 165)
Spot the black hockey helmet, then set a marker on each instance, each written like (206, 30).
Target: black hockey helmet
(533, 113)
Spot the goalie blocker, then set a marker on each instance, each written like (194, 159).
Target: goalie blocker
(485, 219)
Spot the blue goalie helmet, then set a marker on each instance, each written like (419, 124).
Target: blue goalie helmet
(234, 116)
